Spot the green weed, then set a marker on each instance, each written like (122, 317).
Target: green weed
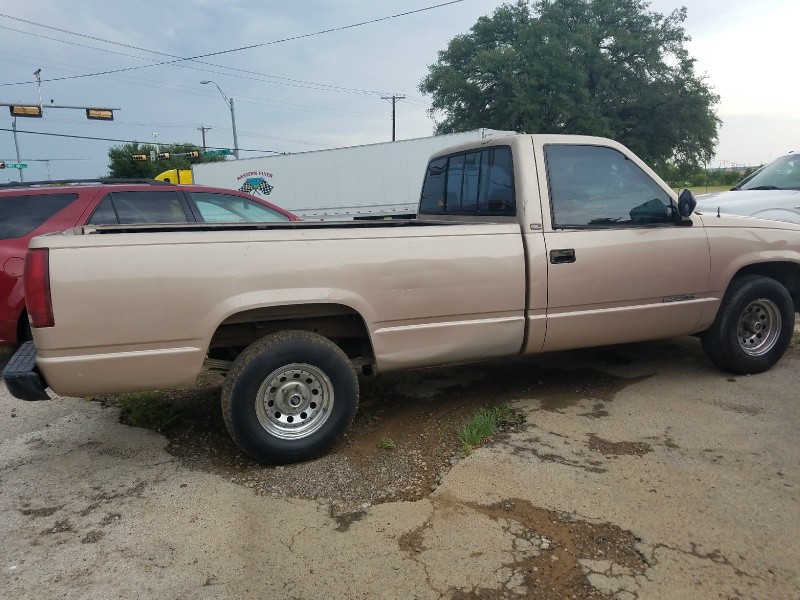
(386, 443)
(485, 423)
(148, 410)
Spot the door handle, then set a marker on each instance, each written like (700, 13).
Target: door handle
(566, 255)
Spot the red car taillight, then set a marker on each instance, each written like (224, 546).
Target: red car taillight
(37, 287)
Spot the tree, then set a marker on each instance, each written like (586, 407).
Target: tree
(121, 163)
(596, 67)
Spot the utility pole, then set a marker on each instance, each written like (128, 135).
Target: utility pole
(394, 98)
(202, 131)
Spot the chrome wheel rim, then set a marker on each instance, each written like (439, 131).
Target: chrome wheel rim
(294, 401)
(759, 327)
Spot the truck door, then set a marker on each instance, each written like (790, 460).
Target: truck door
(620, 268)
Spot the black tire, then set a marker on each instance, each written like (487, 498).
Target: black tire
(289, 397)
(753, 327)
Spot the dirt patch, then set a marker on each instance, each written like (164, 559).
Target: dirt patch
(92, 537)
(419, 412)
(608, 448)
(47, 511)
(598, 411)
(60, 526)
(794, 345)
(568, 552)
(362, 469)
(738, 408)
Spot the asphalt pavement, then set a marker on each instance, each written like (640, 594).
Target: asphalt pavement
(660, 478)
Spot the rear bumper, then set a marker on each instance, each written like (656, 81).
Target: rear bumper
(22, 377)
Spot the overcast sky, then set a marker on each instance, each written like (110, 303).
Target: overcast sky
(325, 90)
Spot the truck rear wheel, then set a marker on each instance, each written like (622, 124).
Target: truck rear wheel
(289, 397)
(753, 327)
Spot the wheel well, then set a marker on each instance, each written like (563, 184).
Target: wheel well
(788, 274)
(341, 324)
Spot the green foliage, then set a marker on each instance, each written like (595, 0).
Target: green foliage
(386, 443)
(597, 67)
(122, 165)
(147, 410)
(698, 177)
(485, 423)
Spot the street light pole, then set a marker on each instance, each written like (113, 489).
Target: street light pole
(16, 145)
(228, 101)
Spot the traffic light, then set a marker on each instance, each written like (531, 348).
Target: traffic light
(19, 110)
(193, 154)
(100, 114)
(164, 155)
(139, 157)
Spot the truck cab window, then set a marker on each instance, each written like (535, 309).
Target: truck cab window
(432, 200)
(596, 186)
(455, 183)
(471, 183)
(497, 182)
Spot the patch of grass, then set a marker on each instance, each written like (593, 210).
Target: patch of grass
(148, 410)
(386, 443)
(485, 423)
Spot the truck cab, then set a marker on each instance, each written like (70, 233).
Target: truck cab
(609, 258)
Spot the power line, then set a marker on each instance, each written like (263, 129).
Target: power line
(177, 85)
(250, 47)
(276, 79)
(99, 139)
(27, 160)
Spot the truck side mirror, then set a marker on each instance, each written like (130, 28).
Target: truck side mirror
(686, 203)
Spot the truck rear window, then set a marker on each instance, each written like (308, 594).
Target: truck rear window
(479, 182)
(19, 215)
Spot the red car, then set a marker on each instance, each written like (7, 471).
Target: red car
(31, 209)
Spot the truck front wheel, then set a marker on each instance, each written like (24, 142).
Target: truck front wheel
(753, 327)
(289, 397)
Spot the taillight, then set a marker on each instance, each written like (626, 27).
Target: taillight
(37, 287)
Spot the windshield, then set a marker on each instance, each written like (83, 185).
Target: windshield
(781, 174)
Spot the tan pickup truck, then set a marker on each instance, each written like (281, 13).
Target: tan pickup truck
(523, 244)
